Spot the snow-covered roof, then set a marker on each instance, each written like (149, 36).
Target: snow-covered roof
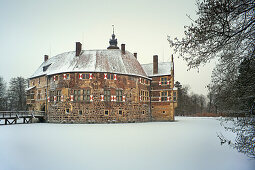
(164, 68)
(29, 88)
(112, 61)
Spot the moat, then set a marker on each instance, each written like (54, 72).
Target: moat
(187, 143)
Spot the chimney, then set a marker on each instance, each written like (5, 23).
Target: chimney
(135, 54)
(46, 57)
(155, 64)
(78, 48)
(123, 48)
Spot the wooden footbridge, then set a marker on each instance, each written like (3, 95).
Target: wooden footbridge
(13, 117)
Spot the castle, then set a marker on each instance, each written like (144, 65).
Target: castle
(102, 86)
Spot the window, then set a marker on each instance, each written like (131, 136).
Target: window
(146, 81)
(67, 76)
(77, 94)
(30, 95)
(163, 80)
(58, 95)
(86, 95)
(164, 96)
(107, 95)
(56, 78)
(80, 112)
(119, 95)
(39, 95)
(144, 94)
(67, 111)
(143, 112)
(120, 112)
(174, 96)
(85, 76)
(106, 112)
(52, 93)
(110, 76)
(164, 112)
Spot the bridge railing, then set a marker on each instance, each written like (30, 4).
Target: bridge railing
(9, 114)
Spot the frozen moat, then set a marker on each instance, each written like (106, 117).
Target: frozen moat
(187, 144)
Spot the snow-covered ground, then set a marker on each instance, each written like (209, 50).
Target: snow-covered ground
(187, 144)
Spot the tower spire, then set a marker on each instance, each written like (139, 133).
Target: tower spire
(113, 41)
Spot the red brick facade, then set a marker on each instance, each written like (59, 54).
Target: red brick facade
(98, 96)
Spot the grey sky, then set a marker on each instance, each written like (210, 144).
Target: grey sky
(31, 28)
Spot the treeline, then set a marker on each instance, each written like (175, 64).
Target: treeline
(13, 97)
(230, 93)
(232, 89)
(188, 103)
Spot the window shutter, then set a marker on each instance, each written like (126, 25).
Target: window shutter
(55, 98)
(90, 76)
(91, 98)
(54, 78)
(159, 99)
(48, 99)
(80, 76)
(102, 98)
(168, 82)
(140, 98)
(123, 98)
(115, 76)
(159, 83)
(140, 80)
(64, 76)
(62, 98)
(113, 98)
(71, 98)
(168, 98)
(105, 75)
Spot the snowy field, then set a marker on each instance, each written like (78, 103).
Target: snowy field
(187, 144)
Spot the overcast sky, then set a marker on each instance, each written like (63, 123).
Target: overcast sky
(29, 29)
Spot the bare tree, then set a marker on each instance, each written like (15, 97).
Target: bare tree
(222, 27)
(244, 128)
(188, 104)
(226, 30)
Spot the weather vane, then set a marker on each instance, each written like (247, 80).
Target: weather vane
(113, 28)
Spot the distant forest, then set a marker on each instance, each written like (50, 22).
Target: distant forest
(13, 98)
(189, 103)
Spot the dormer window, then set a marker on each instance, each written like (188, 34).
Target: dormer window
(46, 67)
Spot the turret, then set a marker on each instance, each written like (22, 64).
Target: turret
(113, 42)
